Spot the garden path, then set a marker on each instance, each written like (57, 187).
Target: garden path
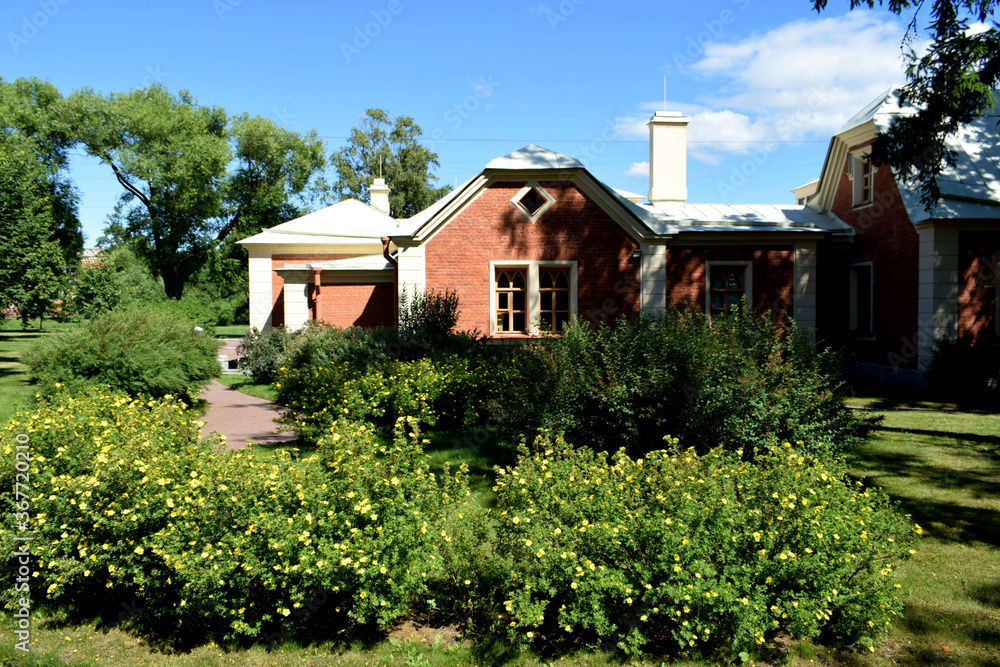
(240, 417)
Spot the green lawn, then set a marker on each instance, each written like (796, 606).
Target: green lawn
(232, 331)
(15, 386)
(247, 386)
(944, 469)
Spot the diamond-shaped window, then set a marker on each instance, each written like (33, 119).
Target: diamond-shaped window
(532, 200)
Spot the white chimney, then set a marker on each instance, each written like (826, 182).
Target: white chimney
(668, 156)
(379, 196)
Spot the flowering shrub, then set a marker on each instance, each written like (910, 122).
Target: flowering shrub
(708, 553)
(425, 389)
(138, 351)
(130, 508)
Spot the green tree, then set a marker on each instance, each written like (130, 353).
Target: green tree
(950, 84)
(32, 265)
(192, 175)
(31, 108)
(390, 147)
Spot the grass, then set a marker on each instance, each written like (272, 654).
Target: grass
(247, 386)
(16, 389)
(232, 331)
(943, 467)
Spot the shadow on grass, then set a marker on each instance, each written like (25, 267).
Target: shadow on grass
(987, 594)
(971, 437)
(979, 627)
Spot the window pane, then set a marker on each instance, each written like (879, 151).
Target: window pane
(562, 280)
(518, 300)
(735, 281)
(503, 300)
(734, 301)
(546, 280)
(562, 300)
(717, 302)
(518, 322)
(547, 320)
(718, 280)
(502, 322)
(518, 280)
(546, 300)
(503, 281)
(561, 320)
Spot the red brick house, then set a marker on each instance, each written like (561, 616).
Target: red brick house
(535, 239)
(911, 276)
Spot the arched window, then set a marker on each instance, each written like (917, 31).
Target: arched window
(511, 295)
(553, 292)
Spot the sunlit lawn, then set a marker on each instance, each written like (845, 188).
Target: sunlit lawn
(15, 387)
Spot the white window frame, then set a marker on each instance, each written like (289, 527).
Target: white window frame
(855, 174)
(852, 313)
(533, 315)
(747, 281)
(532, 185)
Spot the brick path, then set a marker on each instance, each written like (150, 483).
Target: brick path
(241, 417)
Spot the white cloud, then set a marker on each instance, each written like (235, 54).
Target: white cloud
(798, 81)
(638, 170)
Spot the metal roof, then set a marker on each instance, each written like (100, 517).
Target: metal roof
(534, 157)
(970, 187)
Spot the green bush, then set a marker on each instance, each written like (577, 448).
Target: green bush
(739, 384)
(707, 553)
(129, 507)
(448, 388)
(320, 344)
(133, 350)
(260, 353)
(428, 316)
(98, 289)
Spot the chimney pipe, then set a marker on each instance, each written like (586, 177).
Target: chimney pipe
(668, 156)
(379, 195)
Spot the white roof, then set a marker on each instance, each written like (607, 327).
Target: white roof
(349, 221)
(534, 157)
(971, 187)
(684, 216)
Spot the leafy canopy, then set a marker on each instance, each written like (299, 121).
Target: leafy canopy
(193, 176)
(32, 265)
(950, 85)
(387, 148)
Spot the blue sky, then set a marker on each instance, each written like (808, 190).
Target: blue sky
(765, 84)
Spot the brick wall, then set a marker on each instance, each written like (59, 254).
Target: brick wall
(358, 304)
(978, 281)
(886, 237)
(278, 285)
(490, 228)
(771, 287)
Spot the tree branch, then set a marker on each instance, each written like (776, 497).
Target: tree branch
(125, 184)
